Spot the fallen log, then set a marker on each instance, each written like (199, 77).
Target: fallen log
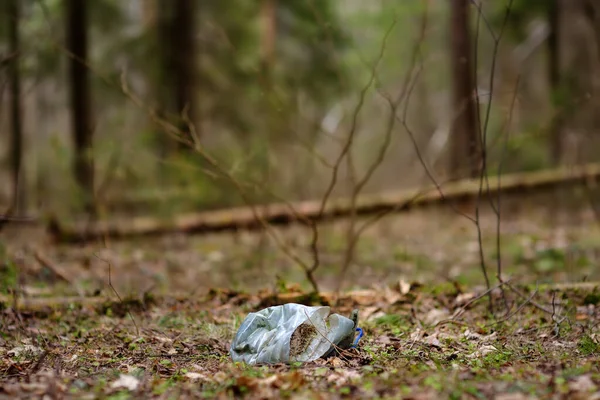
(281, 214)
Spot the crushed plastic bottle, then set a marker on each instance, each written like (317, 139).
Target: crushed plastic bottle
(291, 333)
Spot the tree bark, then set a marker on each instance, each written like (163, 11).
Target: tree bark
(591, 10)
(80, 98)
(178, 75)
(268, 26)
(148, 10)
(466, 146)
(556, 128)
(268, 34)
(18, 182)
(185, 58)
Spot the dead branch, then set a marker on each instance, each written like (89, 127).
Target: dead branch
(46, 262)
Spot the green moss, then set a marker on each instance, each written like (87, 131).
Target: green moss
(592, 298)
(587, 346)
(8, 276)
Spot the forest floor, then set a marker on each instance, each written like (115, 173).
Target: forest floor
(155, 318)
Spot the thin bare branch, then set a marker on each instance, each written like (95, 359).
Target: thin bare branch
(110, 284)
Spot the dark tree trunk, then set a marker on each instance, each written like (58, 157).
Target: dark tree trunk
(149, 10)
(185, 56)
(556, 128)
(268, 35)
(466, 146)
(591, 10)
(13, 15)
(80, 98)
(178, 72)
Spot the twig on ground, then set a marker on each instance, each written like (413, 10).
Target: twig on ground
(523, 296)
(36, 367)
(519, 308)
(461, 310)
(46, 262)
(473, 300)
(555, 318)
(137, 329)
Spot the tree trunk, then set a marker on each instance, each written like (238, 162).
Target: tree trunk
(466, 146)
(591, 10)
(268, 34)
(185, 59)
(148, 10)
(556, 128)
(80, 97)
(268, 25)
(18, 182)
(178, 75)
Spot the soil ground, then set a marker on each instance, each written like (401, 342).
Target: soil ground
(154, 318)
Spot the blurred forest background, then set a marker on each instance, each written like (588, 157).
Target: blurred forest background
(271, 88)
(137, 138)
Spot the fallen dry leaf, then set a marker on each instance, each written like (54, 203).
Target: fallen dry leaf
(391, 296)
(337, 362)
(513, 396)
(470, 335)
(375, 315)
(583, 383)
(343, 376)
(364, 297)
(196, 376)
(28, 349)
(367, 312)
(432, 340)
(128, 382)
(436, 315)
(482, 351)
(416, 335)
(464, 298)
(404, 286)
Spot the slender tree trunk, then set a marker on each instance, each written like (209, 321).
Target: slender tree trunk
(148, 10)
(556, 128)
(591, 10)
(466, 146)
(268, 26)
(164, 84)
(18, 182)
(178, 71)
(185, 58)
(80, 97)
(268, 34)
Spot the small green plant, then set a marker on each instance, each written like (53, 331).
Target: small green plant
(549, 260)
(587, 346)
(434, 382)
(8, 276)
(391, 321)
(592, 298)
(120, 395)
(498, 358)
